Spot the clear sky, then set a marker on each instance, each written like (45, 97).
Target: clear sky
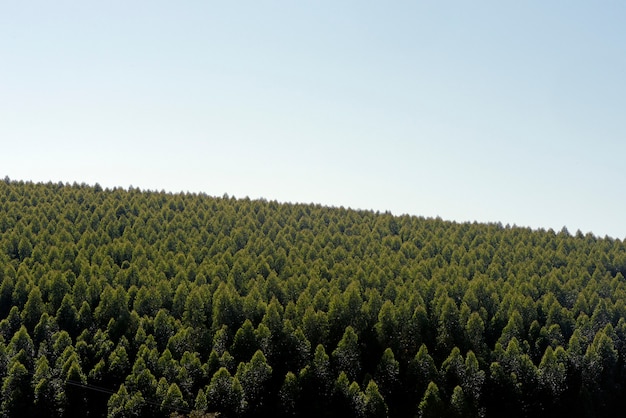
(493, 111)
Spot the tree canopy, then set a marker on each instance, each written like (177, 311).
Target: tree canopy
(123, 302)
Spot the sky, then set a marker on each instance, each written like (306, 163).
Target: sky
(488, 111)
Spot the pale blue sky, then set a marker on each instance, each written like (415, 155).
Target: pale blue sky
(489, 111)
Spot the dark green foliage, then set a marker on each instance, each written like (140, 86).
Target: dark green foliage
(225, 394)
(254, 378)
(136, 303)
(33, 309)
(375, 406)
(346, 357)
(16, 393)
(431, 406)
(48, 394)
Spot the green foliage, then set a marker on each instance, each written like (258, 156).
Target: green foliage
(254, 378)
(137, 303)
(16, 391)
(346, 356)
(124, 404)
(375, 406)
(225, 393)
(47, 389)
(431, 405)
(173, 399)
(289, 394)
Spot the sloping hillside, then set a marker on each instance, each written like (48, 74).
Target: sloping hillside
(134, 303)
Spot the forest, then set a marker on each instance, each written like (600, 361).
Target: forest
(130, 303)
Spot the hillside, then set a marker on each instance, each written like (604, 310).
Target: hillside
(134, 303)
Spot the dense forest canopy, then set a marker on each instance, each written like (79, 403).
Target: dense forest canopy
(136, 303)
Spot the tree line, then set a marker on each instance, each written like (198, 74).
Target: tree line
(123, 302)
